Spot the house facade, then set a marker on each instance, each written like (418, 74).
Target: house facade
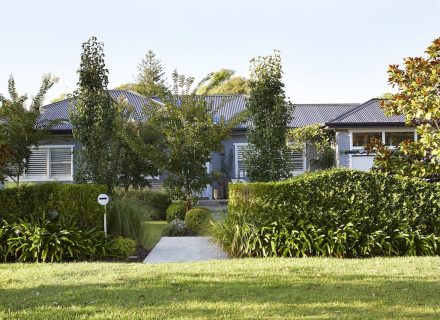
(353, 123)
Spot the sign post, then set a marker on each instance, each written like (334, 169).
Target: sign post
(103, 199)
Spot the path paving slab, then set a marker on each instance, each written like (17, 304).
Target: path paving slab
(185, 249)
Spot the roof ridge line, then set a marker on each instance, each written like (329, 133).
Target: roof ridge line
(355, 109)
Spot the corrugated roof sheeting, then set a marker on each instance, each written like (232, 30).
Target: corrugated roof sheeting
(368, 112)
(227, 106)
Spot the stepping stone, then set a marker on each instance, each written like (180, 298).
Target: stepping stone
(185, 249)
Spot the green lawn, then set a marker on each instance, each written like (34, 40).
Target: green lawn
(154, 232)
(313, 288)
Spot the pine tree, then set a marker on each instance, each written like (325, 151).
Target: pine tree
(151, 78)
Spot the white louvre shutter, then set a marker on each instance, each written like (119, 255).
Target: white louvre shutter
(241, 170)
(60, 162)
(37, 165)
(298, 162)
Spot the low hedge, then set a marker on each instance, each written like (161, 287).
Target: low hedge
(156, 200)
(77, 201)
(333, 198)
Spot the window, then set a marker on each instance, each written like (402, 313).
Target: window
(50, 163)
(240, 170)
(298, 160)
(361, 139)
(393, 139)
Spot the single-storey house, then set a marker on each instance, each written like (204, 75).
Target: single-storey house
(354, 125)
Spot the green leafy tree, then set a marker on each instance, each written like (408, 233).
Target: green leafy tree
(95, 119)
(224, 82)
(186, 123)
(62, 96)
(150, 81)
(418, 99)
(323, 142)
(267, 157)
(20, 129)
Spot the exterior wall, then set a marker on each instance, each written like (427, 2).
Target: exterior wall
(229, 151)
(342, 146)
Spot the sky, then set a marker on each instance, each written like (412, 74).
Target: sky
(332, 51)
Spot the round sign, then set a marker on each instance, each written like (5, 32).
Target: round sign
(103, 199)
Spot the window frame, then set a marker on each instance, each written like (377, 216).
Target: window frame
(382, 131)
(48, 176)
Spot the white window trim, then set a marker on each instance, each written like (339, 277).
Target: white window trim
(378, 130)
(236, 145)
(69, 178)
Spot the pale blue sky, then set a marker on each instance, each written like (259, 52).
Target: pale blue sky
(332, 51)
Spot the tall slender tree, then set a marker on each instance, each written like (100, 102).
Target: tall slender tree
(20, 129)
(94, 117)
(267, 157)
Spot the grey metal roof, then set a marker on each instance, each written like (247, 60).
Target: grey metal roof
(369, 113)
(229, 105)
(60, 110)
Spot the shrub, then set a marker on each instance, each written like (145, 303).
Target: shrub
(176, 228)
(176, 210)
(329, 199)
(125, 217)
(157, 201)
(68, 200)
(275, 240)
(121, 248)
(198, 220)
(341, 213)
(40, 239)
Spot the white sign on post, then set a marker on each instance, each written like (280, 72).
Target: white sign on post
(103, 199)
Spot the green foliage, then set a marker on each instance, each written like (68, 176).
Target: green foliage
(157, 201)
(40, 239)
(267, 157)
(186, 123)
(125, 216)
(242, 239)
(333, 198)
(223, 82)
(66, 200)
(176, 228)
(95, 119)
(198, 220)
(121, 248)
(323, 141)
(20, 129)
(175, 211)
(418, 100)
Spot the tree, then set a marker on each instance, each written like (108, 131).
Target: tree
(150, 81)
(95, 119)
(418, 99)
(323, 141)
(62, 96)
(186, 123)
(20, 130)
(267, 157)
(223, 82)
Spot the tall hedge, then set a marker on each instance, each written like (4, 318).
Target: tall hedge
(329, 199)
(69, 200)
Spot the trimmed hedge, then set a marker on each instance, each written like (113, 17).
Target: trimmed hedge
(330, 199)
(69, 200)
(156, 200)
(198, 220)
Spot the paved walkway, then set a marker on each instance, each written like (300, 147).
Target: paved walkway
(185, 249)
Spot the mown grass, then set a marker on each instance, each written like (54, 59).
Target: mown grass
(313, 288)
(153, 231)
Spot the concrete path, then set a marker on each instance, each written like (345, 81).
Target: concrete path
(185, 249)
